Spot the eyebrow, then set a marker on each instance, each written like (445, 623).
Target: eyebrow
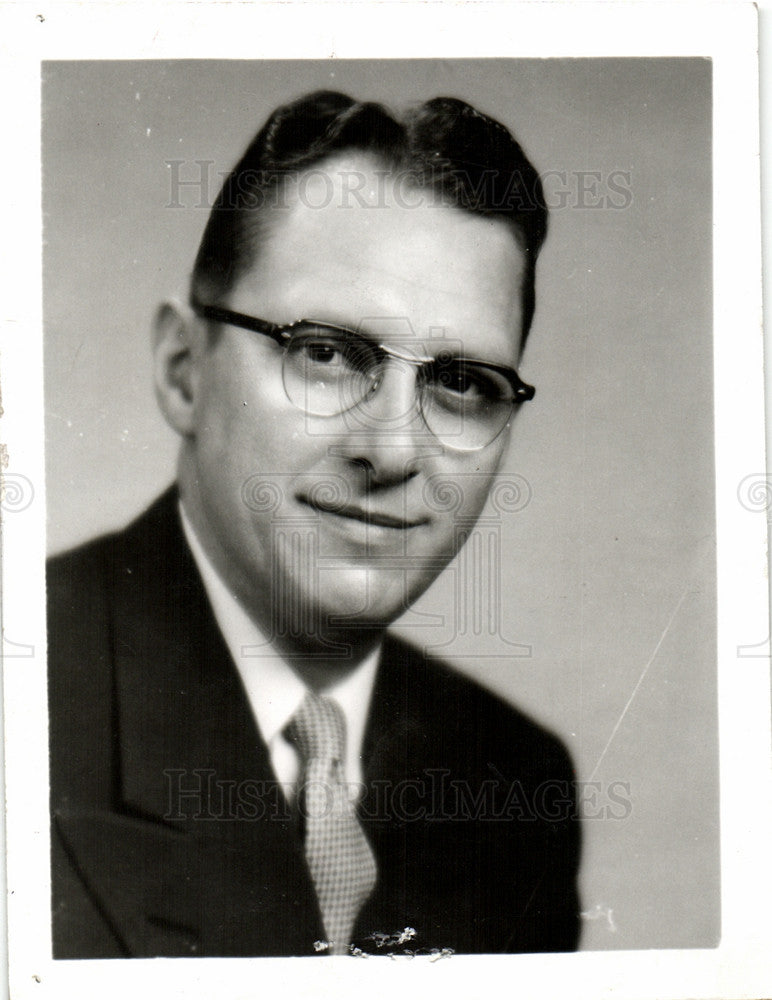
(361, 334)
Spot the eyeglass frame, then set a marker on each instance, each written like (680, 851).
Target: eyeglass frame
(282, 333)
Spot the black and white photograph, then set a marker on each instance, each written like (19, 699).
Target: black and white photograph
(387, 581)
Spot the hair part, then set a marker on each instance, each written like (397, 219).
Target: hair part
(470, 161)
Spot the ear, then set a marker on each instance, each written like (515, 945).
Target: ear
(178, 342)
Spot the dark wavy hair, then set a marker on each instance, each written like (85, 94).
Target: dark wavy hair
(469, 160)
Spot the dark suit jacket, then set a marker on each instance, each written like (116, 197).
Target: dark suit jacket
(170, 838)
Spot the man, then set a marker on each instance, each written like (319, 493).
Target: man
(243, 762)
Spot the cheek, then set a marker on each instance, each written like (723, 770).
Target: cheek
(457, 495)
(245, 422)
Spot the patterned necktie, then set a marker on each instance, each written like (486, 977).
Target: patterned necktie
(338, 854)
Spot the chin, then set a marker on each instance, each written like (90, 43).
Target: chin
(365, 597)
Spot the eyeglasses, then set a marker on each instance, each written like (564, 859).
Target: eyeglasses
(329, 370)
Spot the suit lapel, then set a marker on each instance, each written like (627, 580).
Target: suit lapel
(179, 700)
(191, 758)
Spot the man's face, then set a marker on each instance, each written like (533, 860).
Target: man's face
(308, 517)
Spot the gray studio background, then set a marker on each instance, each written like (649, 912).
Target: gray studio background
(595, 604)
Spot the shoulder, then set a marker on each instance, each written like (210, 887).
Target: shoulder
(456, 712)
(97, 560)
(85, 584)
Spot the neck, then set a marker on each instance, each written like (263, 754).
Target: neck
(318, 669)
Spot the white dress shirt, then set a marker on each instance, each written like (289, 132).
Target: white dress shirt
(273, 688)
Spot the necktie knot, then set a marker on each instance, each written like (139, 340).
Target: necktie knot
(318, 729)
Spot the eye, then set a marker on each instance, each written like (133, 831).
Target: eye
(346, 352)
(322, 352)
(458, 379)
(470, 381)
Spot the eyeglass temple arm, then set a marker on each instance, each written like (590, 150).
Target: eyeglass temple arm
(217, 314)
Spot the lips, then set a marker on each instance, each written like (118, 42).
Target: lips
(381, 519)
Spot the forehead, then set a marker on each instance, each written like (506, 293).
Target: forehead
(351, 241)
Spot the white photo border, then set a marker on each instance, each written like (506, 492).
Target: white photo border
(726, 33)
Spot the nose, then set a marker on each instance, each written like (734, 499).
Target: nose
(386, 433)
